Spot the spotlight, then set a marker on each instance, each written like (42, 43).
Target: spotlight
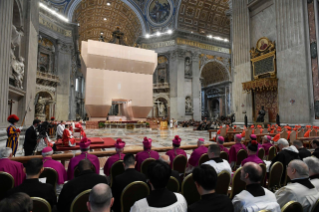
(78, 24)
(192, 32)
(210, 36)
(104, 19)
(226, 40)
(108, 3)
(147, 35)
(102, 33)
(169, 31)
(158, 33)
(218, 38)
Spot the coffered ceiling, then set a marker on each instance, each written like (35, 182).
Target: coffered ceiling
(214, 72)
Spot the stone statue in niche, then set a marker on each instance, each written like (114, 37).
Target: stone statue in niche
(188, 67)
(16, 35)
(261, 115)
(39, 107)
(17, 70)
(161, 109)
(188, 105)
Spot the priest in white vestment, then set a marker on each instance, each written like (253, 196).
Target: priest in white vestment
(313, 165)
(255, 198)
(215, 161)
(300, 189)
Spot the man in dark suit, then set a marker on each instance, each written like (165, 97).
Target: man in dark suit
(31, 184)
(30, 140)
(87, 179)
(165, 158)
(121, 181)
(315, 145)
(303, 152)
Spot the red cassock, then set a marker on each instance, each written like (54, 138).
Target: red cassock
(110, 161)
(172, 154)
(252, 158)
(196, 154)
(14, 168)
(266, 147)
(233, 151)
(243, 134)
(141, 156)
(276, 138)
(66, 137)
(75, 161)
(222, 148)
(58, 167)
(307, 134)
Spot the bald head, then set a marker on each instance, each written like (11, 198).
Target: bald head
(297, 169)
(251, 173)
(101, 198)
(165, 158)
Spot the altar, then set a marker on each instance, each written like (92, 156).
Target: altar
(117, 118)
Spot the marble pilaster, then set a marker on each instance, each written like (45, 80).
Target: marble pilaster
(196, 89)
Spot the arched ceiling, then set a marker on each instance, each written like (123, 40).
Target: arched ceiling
(204, 17)
(214, 72)
(90, 14)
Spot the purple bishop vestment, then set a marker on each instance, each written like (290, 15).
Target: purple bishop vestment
(110, 161)
(252, 158)
(141, 156)
(58, 167)
(172, 155)
(233, 151)
(196, 154)
(75, 161)
(266, 147)
(14, 168)
(222, 148)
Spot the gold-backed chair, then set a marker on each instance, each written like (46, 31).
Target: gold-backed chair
(287, 179)
(241, 155)
(263, 167)
(179, 164)
(261, 153)
(7, 183)
(315, 208)
(292, 206)
(275, 175)
(224, 155)
(173, 184)
(189, 190)
(222, 184)
(272, 152)
(40, 205)
(79, 202)
(116, 169)
(237, 184)
(204, 158)
(145, 165)
(132, 193)
(264, 211)
(51, 176)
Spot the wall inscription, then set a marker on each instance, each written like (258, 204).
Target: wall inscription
(158, 45)
(54, 27)
(181, 41)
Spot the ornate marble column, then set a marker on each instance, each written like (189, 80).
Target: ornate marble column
(6, 13)
(196, 90)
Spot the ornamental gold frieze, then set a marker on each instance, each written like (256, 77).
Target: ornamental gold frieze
(54, 27)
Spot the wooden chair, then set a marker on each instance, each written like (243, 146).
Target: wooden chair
(224, 155)
(275, 174)
(241, 155)
(51, 176)
(272, 152)
(284, 134)
(132, 193)
(179, 164)
(292, 206)
(247, 135)
(116, 169)
(189, 190)
(173, 184)
(261, 153)
(203, 159)
(40, 205)
(145, 165)
(237, 184)
(7, 183)
(79, 202)
(293, 136)
(263, 167)
(222, 184)
(223, 132)
(315, 208)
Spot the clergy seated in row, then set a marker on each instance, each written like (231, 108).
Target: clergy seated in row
(315, 145)
(60, 129)
(303, 152)
(32, 186)
(252, 149)
(86, 180)
(12, 167)
(235, 148)
(255, 197)
(146, 153)
(85, 147)
(47, 153)
(176, 142)
(266, 144)
(67, 137)
(253, 137)
(100, 198)
(119, 148)
(220, 142)
(160, 198)
(313, 165)
(165, 158)
(215, 161)
(205, 179)
(18, 202)
(287, 153)
(121, 181)
(196, 154)
(307, 133)
(300, 189)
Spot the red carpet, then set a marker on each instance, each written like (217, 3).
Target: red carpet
(97, 143)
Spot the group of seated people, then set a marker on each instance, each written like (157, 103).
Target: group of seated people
(304, 176)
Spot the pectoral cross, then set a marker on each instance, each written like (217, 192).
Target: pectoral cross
(10, 102)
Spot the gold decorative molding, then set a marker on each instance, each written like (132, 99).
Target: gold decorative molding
(181, 41)
(158, 44)
(265, 84)
(54, 27)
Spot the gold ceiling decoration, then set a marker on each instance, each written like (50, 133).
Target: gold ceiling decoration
(264, 84)
(205, 17)
(214, 72)
(90, 14)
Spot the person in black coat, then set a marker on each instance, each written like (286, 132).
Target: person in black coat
(31, 184)
(315, 145)
(303, 152)
(121, 181)
(175, 174)
(30, 140)
(87, 179)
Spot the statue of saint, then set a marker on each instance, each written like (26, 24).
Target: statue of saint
(188, 69)
(188, 105)
(261, 115)
(39, 108)
(161, 109)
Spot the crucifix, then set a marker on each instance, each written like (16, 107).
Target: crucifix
(10, 102)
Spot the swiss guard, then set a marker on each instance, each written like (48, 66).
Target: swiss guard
(13, 133)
